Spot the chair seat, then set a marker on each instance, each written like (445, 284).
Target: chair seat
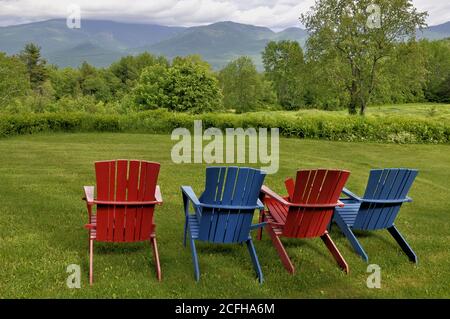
(277, 211)
(93, 230)
(194, 226)
(277, 214)
(349, 212)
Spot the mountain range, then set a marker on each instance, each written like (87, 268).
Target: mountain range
(103, 42)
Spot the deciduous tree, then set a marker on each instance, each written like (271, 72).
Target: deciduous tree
(241, 85)
(284, 66)
(361, 33)
(13, 79)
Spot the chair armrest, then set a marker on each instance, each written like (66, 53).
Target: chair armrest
(347, 192)
(260, 204)
(158, 195)
(190, 194)
(268, 192)
(89, 198)
(387, 201)
(256, 226)
(89, 194)
(375, 201)
(221, 206)
(125, 203)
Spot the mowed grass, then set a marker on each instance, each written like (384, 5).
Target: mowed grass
(428, 110)
(431, 111)
(42, 218)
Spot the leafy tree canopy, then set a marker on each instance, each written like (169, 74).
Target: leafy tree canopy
(14, 80)
(284, 66)
(360, 33)
(188, 85)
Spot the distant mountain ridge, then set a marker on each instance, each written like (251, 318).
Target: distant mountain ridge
(103, 42)
(436, 32)
(98, 42)
(221, 42)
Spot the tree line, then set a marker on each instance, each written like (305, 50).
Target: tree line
(345, 64)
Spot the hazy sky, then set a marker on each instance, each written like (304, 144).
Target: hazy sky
(275, 14)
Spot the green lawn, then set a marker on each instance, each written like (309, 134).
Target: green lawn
(429, 110)
(42, 218)
(433, 111)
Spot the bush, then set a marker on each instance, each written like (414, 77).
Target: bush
(186, 86)
(333, 127)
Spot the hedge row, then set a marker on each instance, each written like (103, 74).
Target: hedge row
(334, 127)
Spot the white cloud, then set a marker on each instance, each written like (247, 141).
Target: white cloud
(438, 10)
(275, 14)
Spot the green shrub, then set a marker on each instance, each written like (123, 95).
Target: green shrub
(186, 86)
(333, 127)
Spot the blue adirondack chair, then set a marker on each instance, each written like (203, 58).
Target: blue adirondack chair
(224, 212)
(386, 191)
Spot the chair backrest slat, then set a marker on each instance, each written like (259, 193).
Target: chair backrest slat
(228, 192)
(212, 177)
(384, 185)
(329, 193)
(290, 187)
(240, 186)
(104, 185)
(125, 181)
(230, 186)
(313, 187)
(121, 195)
(384, 188)
(133, 187)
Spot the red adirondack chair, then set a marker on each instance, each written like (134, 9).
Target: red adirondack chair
(306, 212)
(126, 197)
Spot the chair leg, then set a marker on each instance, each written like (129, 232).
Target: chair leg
(352, 238)
(156, 257)
(195, 260)
(403, 244)
(260, 230)
(91, 261)
(256, 265)
(330, 225)
(185, 230)
(287, 263)
(335, 252)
